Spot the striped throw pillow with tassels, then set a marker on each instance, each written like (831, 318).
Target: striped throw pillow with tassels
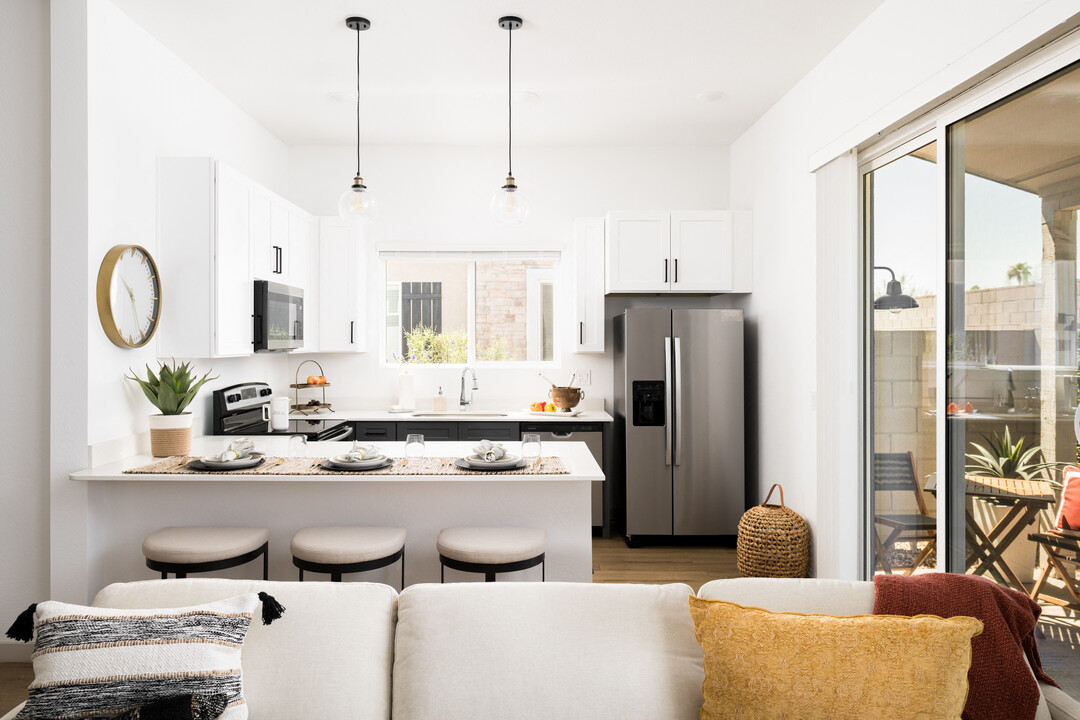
(91, 661)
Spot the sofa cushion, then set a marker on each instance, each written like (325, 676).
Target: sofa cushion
(761, 665)
(330, 655)
(545, 650)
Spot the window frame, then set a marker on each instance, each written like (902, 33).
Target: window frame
(471, 256)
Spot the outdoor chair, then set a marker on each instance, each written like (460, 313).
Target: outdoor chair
(895, 472)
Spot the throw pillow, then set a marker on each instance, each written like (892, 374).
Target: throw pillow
(91, 661)
(761, 665)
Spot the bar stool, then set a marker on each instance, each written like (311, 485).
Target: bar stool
(491, 550)
(338, 550)
(196, 549)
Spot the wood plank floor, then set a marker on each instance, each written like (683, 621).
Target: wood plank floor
(613, 562)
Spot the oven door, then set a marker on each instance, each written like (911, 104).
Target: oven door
(279, 317)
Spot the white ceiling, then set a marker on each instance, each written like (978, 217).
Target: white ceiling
(611, 72)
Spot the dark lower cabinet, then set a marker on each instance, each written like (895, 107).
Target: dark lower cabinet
(430, 430)
(375, 431)
(494, 431)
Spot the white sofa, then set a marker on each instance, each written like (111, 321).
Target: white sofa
(490, 650)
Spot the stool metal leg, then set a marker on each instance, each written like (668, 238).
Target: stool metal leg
(301, 574)
(266, 561)
(442, 573)
(489, 577)
(335, 577)
(402, 568)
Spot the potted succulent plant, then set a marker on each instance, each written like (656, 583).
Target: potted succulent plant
(1002, 458)
(170, 391)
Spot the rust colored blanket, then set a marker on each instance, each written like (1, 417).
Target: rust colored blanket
(999, 684)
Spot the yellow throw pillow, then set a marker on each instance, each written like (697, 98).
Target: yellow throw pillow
(789, 666)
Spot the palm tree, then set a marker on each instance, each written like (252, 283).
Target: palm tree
(1020, 272)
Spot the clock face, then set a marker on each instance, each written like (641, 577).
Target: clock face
(129, 287)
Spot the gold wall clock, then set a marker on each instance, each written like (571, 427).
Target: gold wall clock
(128, 296)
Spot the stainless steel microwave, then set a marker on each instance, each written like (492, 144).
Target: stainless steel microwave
(279, 317)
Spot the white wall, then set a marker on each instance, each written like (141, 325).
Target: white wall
(901, 58)
(24, 275)
(440, 196)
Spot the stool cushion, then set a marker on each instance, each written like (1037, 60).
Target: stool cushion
(492, 545)
(346, 545)
(196, 544)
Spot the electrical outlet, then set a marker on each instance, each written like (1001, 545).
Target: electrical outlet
(584, 378)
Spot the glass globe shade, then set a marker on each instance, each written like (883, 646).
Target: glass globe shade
(509, 207)
(358, 204)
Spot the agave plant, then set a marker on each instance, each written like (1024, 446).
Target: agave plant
(1006, 459)
(173, 388)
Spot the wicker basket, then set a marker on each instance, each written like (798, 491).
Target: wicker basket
(774, 541)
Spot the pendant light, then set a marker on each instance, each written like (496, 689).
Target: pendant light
(358, 204)
(509, 206)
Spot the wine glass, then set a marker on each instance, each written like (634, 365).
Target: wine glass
(530, 447)
(414, 446)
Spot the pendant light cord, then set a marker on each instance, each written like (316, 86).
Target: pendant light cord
(358, 102)
(510, 102)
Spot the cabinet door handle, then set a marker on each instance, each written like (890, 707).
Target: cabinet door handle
(351, 324)
(676, 269)
(581, 333)
(665, 270)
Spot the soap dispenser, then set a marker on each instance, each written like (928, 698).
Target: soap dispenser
(438, 403)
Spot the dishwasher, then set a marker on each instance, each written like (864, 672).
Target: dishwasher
(590, 433)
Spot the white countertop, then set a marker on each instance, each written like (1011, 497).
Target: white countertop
(576, 455)
(430, 416)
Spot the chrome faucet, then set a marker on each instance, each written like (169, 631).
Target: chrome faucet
(465, 402)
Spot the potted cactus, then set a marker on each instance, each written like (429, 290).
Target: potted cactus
(171, 390)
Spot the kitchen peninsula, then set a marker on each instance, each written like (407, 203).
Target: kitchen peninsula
(123, 508)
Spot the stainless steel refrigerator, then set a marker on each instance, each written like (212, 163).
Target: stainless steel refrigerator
(679, 412)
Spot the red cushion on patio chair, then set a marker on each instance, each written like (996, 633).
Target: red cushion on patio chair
(1068, 514)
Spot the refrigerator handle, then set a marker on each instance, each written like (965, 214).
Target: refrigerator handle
(667, 401)
(678, 401)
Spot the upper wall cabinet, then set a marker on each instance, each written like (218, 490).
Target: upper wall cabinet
(282, 236)
(204, 227)
(678, 252)
(217, 231)
(341, 287)
(589, 298)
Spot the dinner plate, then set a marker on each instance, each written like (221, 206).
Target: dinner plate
(558, 413)
(339, 461)
(253, 460)
(376, 464)
(475, 462)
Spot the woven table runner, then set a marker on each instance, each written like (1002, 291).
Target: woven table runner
(311, 466)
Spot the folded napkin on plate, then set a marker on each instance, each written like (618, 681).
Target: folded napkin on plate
(361, 451)
(489, 451)
(237, 450)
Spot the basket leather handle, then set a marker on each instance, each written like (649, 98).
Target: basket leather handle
(774, 487)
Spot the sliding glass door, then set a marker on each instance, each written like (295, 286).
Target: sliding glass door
(900, 225)
(972, 287)
(1011, 331)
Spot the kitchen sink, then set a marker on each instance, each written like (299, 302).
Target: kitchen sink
(451, 414)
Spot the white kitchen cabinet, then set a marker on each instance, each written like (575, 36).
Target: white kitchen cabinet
(204, 229)
(282, 240)
(678, 252)
(589, 298)
(638, 252)
(341, 287)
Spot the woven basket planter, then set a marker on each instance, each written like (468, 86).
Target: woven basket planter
(774, 541)
(170, 435)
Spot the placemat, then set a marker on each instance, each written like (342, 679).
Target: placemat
(310, 466)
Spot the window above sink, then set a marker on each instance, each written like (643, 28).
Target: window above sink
(469, 307)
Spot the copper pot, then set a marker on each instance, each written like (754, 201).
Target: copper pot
(566, 398)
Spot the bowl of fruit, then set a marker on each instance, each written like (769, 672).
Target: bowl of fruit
(542, 406)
